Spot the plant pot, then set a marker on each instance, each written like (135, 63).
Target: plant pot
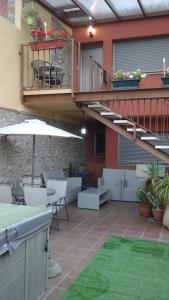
(125, 84)
(42, 45)
(145, 210)
(157, 214)
(165, 81)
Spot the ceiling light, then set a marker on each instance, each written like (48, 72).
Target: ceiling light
(83, 129)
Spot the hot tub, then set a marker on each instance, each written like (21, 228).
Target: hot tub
(23, 251)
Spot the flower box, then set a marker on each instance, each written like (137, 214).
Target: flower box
(43, 45)
(165, 81)
(125, 84)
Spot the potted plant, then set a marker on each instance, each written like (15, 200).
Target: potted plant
(125, 80)
(154, 173)
(30, 16)
(162, 191)
(47, 38)
(165, 79)
(44, 37)
(145, 206)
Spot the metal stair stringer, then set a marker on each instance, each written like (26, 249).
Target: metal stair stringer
(143, 144)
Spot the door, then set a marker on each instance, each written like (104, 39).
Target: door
(91, 71)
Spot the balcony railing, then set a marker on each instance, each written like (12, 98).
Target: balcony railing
(62, 68)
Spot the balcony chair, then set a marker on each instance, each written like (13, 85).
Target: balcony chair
(35, 196)
(59, 198)
(46, 73)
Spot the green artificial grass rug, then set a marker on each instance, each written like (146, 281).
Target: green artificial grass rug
(124, 269)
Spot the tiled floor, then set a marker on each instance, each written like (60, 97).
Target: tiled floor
(77, 241)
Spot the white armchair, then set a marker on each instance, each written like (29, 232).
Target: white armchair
(74, 184)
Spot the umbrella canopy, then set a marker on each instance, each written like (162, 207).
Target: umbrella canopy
(35, 127)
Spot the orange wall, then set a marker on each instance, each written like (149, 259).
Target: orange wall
(107, 33)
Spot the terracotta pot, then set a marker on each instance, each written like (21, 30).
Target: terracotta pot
(145, 210)
(157, 214)
(42, 45)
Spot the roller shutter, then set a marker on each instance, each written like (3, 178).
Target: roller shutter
(146, 55)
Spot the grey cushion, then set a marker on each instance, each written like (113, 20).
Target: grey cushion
(57, 174)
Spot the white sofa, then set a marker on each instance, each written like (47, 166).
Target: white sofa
(74, 185)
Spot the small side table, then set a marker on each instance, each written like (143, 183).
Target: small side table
(92, 198)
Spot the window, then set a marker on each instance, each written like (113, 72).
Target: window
(146, 55)
(7, 10)
(99, 144)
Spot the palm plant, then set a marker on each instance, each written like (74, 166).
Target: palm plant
(154, 173)
(162, 190)
(154, 170)
(142, 196)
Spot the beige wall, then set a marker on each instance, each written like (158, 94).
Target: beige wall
(11, 38)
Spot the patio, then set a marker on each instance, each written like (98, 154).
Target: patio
(87, 230)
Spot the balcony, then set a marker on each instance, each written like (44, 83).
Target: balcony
(55, 79)
(51, 76)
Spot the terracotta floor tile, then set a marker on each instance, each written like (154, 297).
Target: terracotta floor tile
(66, 282)
(132, 233)
(56, 294)
(77, 270)
(151, 237)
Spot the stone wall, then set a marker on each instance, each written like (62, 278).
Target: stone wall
(51, 152)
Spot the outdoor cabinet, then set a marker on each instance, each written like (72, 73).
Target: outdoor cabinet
(24, 260)
(122, 184)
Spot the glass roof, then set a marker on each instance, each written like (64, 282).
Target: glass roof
(77, 12)
(126, 8)
(98, 9)
(152, 6)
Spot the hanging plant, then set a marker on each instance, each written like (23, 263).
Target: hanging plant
(30, 16)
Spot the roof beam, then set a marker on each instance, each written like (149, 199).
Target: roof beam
(83, 9)
(142, 9)
(111, 6)
(73, 14)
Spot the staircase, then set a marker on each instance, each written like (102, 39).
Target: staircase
(129, 128)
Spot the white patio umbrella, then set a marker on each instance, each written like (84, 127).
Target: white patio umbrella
(35, 127)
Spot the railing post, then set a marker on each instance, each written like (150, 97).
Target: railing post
(73, 65)
(21, 72)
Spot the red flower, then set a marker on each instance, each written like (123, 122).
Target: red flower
(51, 31)
(62, 34)
(40, 33)
(33, 32)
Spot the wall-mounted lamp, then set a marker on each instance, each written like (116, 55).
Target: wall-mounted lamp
(91, 31)
(83, 129)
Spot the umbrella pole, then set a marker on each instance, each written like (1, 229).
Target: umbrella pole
(33, 160)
